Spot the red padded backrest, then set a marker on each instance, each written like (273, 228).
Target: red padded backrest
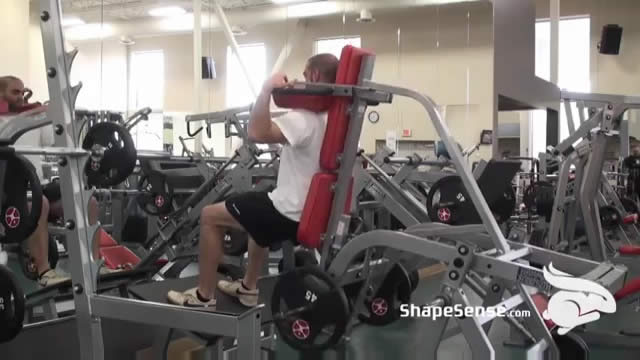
(541, 302)
(338, 118)
(317, 208)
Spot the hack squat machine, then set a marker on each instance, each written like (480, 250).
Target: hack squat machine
(477, 257)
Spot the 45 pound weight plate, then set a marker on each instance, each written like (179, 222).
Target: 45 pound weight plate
(11, 306)
(19, 220)
(309, 309)
(116, 154)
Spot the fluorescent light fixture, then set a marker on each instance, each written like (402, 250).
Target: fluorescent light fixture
(72, 21)
(89, 32)
(178, 23)
(167, 11)
(282, 2)
(312, 9)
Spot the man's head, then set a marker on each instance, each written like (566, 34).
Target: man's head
(12, 91)
(321, 68)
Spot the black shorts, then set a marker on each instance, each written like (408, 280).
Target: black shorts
(256, 213)
(52, 191)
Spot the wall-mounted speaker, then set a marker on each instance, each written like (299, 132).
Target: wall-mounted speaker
(610, 39)
(208, 68)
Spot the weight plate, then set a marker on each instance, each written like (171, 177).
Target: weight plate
(309, 309)
(629, 205)
(504, 206)
(539, 197)
(571, 346)
(384, 306)
(236, 242)
(448, 202)
(156, 197)
(118, 158)
(610, 217)
(19, 219)
(11, 305)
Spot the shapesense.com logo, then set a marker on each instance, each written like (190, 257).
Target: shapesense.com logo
(576, 302)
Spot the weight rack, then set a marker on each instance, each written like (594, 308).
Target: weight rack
(89, 306)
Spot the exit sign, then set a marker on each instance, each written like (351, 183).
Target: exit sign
(406, 132)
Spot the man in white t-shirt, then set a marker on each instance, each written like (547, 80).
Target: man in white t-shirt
(272, 217)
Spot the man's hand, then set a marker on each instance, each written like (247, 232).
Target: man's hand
(277, 80)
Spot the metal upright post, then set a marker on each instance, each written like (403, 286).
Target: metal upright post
(60, 110)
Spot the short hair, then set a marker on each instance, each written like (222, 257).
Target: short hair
(4, 82)
(326, 64)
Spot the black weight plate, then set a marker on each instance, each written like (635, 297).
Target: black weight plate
(302, 258)
(384, 307)
(571, 346)
(309, 309)
(504, 206)
(119, 157)
(629, 205)
(135, 229)
(539, 197)
(11, 305)
(610, 217)
(19, 220)
(236, 242)
(156, 197)
(449, 203)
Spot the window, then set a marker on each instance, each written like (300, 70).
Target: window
(334, 45)
(146, 89)
(573, 68)
(238, 90)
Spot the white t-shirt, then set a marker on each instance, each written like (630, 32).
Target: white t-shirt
(299, 160)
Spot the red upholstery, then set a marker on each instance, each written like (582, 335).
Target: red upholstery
(338, 119)
(630, 288)
(317, 207)
(118, 257)
(541, 302)
(630, 219)
(629, 250)
(307, 102)
(106, 240)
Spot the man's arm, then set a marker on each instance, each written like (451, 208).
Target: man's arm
(261, 128)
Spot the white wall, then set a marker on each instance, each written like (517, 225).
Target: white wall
(14, 19)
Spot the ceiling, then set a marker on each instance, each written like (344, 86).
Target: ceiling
(119, 10)
(130, 18)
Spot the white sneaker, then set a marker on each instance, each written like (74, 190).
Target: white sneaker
(51, 277)
(189, 299)
(234, 288)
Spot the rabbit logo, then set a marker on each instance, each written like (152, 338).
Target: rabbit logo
(578, 301)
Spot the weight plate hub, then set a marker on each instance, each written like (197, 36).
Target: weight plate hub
(384, 307)
(156, 196)
(309, 309)
(19, 220)
(11, 306)
(115, 154)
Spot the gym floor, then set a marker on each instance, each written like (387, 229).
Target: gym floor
(404, 340)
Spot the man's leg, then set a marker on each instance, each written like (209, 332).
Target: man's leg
(214, 220)
(257, 256)
(38, 242)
